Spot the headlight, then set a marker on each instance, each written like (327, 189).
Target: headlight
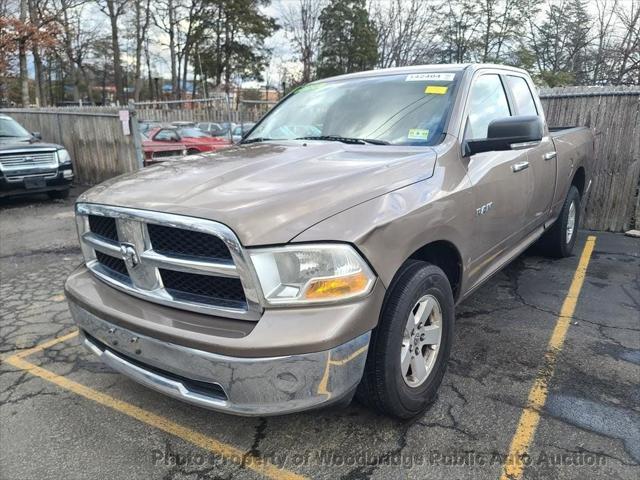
(63, 157)
(311, 273)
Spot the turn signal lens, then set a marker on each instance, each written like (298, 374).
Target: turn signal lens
(330, 288)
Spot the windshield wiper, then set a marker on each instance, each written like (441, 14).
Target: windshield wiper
(256, 140)
(337, 138)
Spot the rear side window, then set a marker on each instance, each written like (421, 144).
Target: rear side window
(488, 103)
(522, 95)
(166, 135)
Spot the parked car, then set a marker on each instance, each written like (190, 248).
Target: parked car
(240, 130)
(28, 165)
(146, 125)
(183, 124)
(209, 127)
(216, 129)
(161, 151)
(292, 272)
(191, 139)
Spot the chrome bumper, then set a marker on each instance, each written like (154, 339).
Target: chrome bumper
(242, 386)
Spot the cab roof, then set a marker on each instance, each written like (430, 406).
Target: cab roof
(440, 67)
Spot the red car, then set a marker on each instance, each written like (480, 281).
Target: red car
(161, 150)
(170, 142)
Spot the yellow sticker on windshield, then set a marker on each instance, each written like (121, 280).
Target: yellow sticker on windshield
(418, 134)
(436, 89)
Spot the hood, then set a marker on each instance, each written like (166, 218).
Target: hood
(14, 143)
(267, 193)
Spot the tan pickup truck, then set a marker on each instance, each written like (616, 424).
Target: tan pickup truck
(324, 255)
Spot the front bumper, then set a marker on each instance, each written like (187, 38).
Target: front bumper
(60, 180)
(237, 385)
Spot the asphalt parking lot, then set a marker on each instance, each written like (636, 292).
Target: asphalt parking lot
(65, 415)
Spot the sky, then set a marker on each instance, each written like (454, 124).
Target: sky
(283, 56)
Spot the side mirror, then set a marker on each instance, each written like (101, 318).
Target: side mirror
(36, 135)
(509, 133)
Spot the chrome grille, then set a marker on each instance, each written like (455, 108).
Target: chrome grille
(104, 226)
(183, 262)
(23, 160)
(173, 241)
(117, 265)
(204, 288)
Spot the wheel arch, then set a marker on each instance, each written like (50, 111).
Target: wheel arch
(445, 255)
(579, 179)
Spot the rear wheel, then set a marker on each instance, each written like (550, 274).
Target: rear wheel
(410, 347)
(192, 151)
(559, 240)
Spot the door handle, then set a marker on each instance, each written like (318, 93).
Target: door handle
(550, 155)
(519, 166)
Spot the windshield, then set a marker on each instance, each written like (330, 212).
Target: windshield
(10, 128)
(408, 109)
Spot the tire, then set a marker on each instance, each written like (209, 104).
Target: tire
(559, 240)
(385, 386)
(193, 151)
(58, 194)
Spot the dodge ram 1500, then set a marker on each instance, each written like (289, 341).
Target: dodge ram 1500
(323, 256)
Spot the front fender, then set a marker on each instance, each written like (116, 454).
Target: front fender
(389, 228)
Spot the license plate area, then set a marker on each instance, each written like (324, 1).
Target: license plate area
(35, 182)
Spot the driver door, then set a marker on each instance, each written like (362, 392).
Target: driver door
(501, 180)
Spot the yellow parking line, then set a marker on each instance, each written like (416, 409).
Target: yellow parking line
(514, 466)
(205, 442)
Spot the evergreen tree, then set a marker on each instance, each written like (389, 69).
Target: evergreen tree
(348, 40)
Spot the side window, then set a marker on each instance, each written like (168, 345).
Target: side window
(522, 96)
(165, 135)
(488, 102)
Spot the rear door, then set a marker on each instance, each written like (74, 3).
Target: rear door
(501, 180)
(541, 157)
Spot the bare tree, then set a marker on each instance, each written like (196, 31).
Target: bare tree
(460, 26)
(604, 23)
(142, 15)
(164, 17)
(36, 18)
(114, 9)
(628, 66)
(191, 23)
(405, 32)
(22, 57)
(301, 21)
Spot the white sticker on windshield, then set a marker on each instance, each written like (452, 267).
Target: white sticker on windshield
(423, 77)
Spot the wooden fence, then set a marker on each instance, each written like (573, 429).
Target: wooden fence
(613, 114)
(211, 110)
(214, 109)
(94, 139)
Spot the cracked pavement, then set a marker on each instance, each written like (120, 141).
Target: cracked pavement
(592, 412)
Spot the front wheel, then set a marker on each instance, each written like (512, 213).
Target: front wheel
(410, 347)
(559, 240)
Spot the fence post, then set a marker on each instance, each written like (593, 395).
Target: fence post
(229, 117)
(135, 133)
(59, 129)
